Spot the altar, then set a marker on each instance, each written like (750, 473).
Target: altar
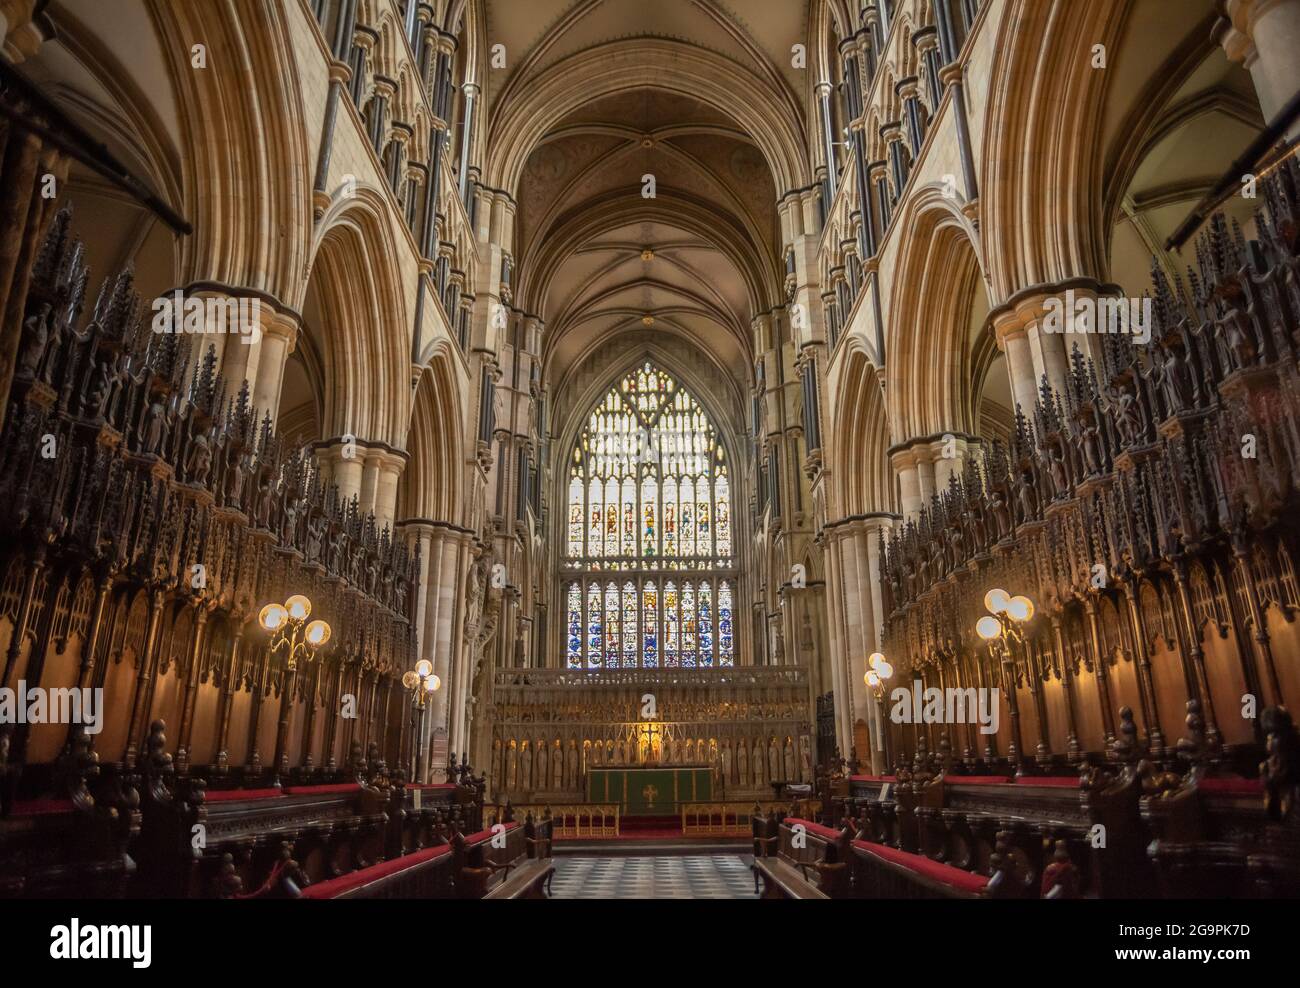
(649, 790)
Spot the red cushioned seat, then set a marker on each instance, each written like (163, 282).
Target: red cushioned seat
(223, 795)
(1059, 781)
(873, 778)
(1234, 786)
(323, 790)
(976, 780)
(483, 835)
(334, 887)
(813, 828)
(40, 807)
(947, 874)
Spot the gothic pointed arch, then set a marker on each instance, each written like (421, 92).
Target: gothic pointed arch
(1042, 163)
(246, 179)
(354, 296)
(938, 285)
(864, 481)
(431, 482)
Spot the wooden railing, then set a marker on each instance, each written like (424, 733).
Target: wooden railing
(573, 819)
(723, 819)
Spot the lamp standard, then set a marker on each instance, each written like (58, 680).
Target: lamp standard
(1002, 628)
(878, 673)
(421, 683)
(292, 634)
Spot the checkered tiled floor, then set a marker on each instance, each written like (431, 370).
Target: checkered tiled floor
(699, 876)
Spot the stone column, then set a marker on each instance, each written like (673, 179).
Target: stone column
(856, 614)
(1264, 36)
(389, 473)
(344, 465)
(1038, 344)
(385, 90)
(948, 458)
(926, 41)
(363, 40)
(340, 76)
(873, 527)
(279, 337)
(909, 91)
(439, 608)
(904, 463)
(846, 638)
(951, 77)
(801, 236)
(892, 132)
(828, 141)
(380, 471)
(466, 137)
(1014, 342)
(884, 204)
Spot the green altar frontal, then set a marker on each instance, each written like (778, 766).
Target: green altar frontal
(648, 790)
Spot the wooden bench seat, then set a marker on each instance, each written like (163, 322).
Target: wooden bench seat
(800, 858)
(434, 872)
(1213, 839)
(529, 880)
(958, 820)
(882, 872)
(782, 880)
(423, 875)
(73, 840)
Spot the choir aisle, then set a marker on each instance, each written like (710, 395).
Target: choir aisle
(662, 876)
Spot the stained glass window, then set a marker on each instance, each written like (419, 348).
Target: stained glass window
(573, 651)
(688, 625)
(706, 625)
(650, 495)
(670, 624)
(575, 517)
(631, 646)
(613, 613)
(650, 625)
(593, 625)
(726, 644)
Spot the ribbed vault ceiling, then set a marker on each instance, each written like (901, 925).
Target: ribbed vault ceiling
(595, 257)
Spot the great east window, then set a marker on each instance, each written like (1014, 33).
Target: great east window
(649, 565)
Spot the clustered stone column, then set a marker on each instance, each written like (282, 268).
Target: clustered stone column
(950, 75)
(925, 466)
(1037, 344)
(445, 555)
(1264, 36)
(856, 611)
(252, 334)
(340, 74)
